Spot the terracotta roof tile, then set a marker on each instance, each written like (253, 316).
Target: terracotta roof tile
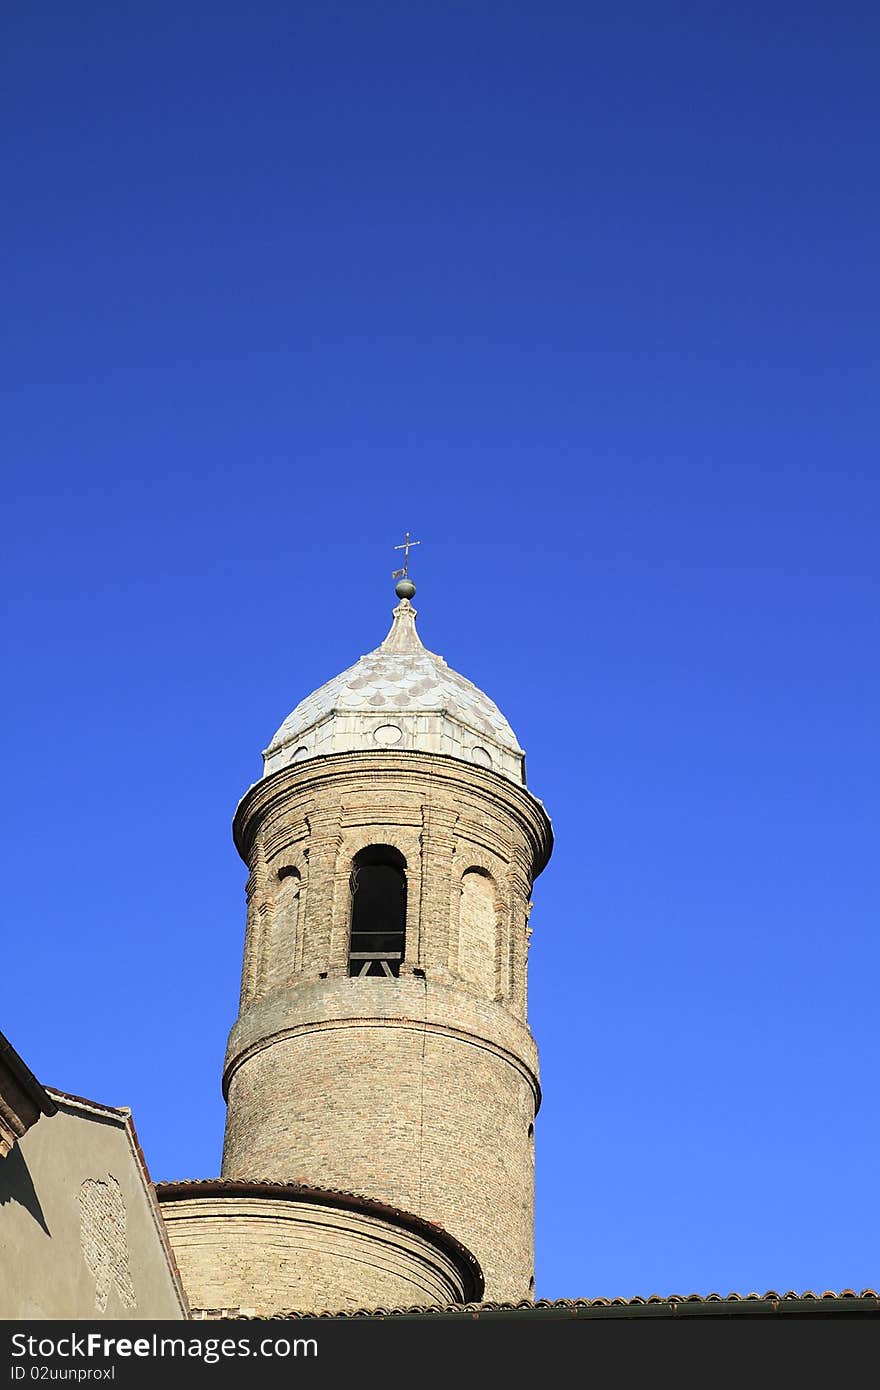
(868, 1297)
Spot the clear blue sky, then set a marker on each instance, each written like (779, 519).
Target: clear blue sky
(586, 297)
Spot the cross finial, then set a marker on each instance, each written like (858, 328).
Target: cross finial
(406, 548)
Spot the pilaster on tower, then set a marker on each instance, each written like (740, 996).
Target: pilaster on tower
(382, 1046)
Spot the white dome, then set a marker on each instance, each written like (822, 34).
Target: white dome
(401, 696)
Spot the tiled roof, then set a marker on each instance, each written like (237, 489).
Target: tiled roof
(847, 1302)
(180, 1187)
(400, 678)
(399, 682)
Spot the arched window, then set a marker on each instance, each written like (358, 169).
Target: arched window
(378, 912)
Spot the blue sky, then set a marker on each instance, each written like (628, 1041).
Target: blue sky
(586, 297)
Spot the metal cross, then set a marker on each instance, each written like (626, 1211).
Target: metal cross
(406, 548)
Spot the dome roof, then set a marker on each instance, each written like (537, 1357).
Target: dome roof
(401, 696)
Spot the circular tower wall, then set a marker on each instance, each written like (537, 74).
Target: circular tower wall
(408, 1075)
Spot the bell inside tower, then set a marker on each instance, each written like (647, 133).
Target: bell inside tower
(378, 912)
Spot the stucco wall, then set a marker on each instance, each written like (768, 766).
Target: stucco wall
(81, 1236)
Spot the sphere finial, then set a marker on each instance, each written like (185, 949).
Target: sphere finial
(404, 588)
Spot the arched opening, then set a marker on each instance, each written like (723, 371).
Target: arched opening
(281, 931)
(287, 909)
(478, 931)
(378, 912)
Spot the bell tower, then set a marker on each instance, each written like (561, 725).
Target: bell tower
(382, 1045)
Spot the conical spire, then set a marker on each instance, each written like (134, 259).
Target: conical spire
(403, 636)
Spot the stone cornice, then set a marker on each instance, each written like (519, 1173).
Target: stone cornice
(22, 1099)
(393, 767)
(416, 1025)
(408, 1002)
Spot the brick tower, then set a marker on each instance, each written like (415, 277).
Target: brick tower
(382, 1046)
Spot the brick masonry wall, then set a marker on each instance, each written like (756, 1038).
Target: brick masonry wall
(418, 1091)
(430, 1123)
(280, 1255)
(478, 943)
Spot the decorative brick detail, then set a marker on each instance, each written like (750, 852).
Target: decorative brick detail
(104, 1240)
